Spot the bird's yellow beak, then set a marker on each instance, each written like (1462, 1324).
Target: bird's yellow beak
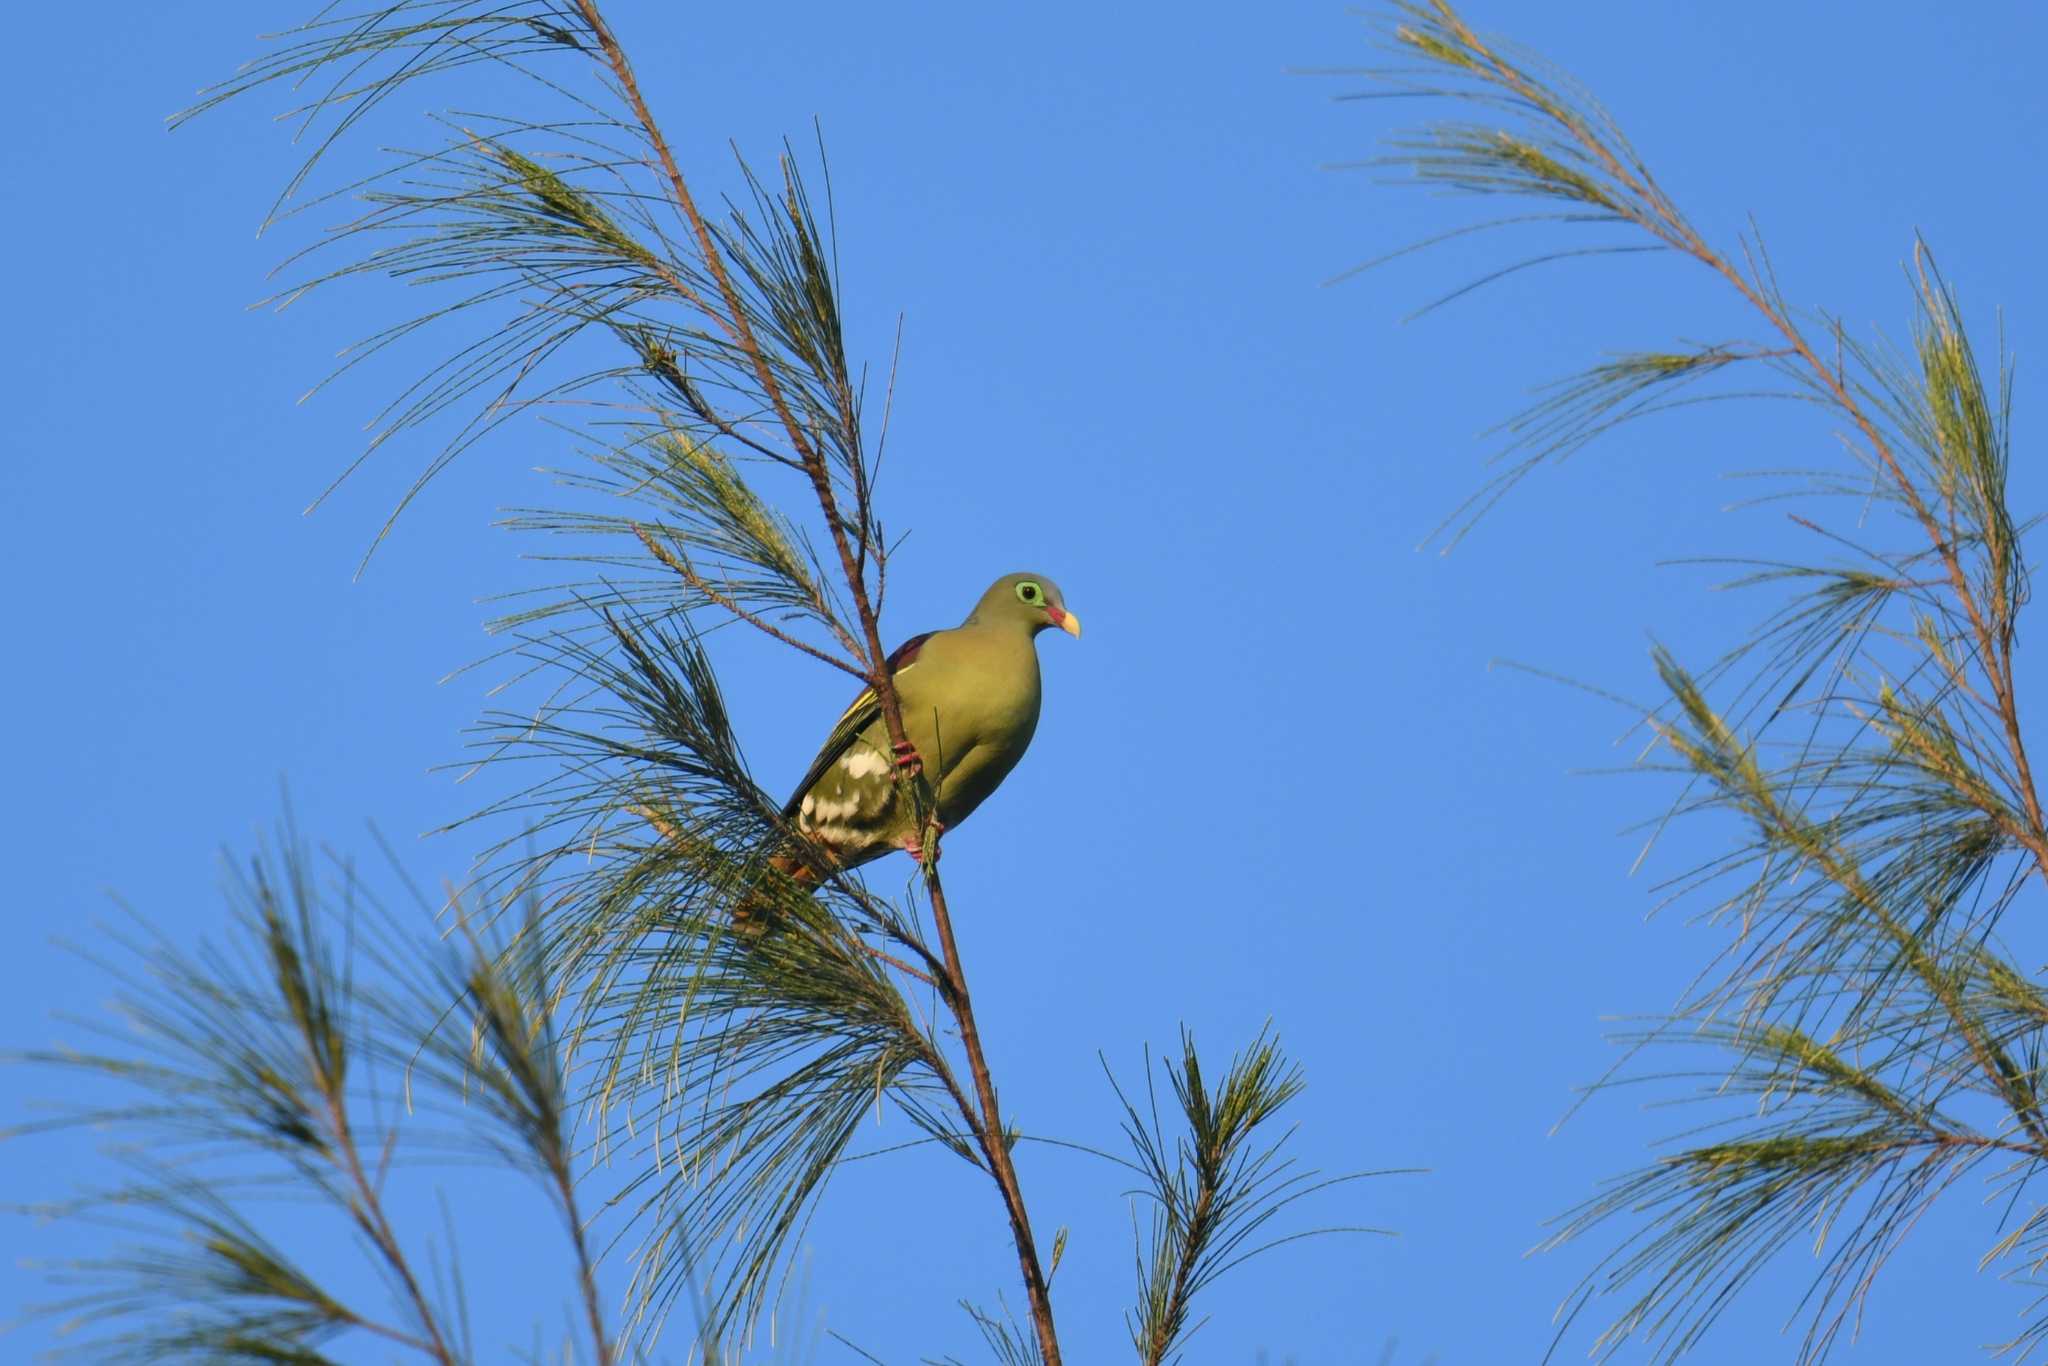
(1066, 621)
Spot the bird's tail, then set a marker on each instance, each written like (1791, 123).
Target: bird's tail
(756, 912)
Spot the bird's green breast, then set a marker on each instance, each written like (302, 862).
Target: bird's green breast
(970, 705)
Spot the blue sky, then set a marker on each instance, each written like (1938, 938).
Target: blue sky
(1281, 778)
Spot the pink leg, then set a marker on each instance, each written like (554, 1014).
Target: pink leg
(914, 846)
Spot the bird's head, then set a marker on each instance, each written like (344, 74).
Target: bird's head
(1029, 600)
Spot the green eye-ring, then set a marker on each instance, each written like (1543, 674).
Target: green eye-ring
(1030, 592)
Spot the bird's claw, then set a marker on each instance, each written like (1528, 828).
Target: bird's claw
(915, 847)
(907, 757)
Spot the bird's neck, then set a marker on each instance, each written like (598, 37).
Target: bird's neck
(1001, 625)
(1002, 640)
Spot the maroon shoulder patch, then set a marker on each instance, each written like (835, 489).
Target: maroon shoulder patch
(904, 655)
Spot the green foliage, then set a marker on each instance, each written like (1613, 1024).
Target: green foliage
(1213, 1188)
(1870, 1041)
(696, 998)
(736, 1065)
(263, 1069)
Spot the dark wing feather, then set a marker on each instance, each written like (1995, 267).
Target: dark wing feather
(855, 719)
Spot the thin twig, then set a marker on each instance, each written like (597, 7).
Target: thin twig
(983, 1118)
(689, 575)
(666, 828)
(586, 1272)
(368, 1209)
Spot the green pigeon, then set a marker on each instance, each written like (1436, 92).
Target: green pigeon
(970, 703)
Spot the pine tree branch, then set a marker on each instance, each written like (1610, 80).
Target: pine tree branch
(1645, 205)
(984, 1118)
(507, 215)
(586, 1265)
(1863, 985)
(1715, 753)
(368, 1210)
(688, 574)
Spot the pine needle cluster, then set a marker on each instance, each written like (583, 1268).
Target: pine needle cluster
(1866, 1042)
(674, 1005)
(324, 1042)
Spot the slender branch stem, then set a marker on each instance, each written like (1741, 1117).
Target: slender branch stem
(1193, 1238)
(586, 1275)
(701, 408)
(368, 1209)
(988, 1126)
(733, 317)
(386, 1331)
(688, 574)
(984, 1117)
(897, 963)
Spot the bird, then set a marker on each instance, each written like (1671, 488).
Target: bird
(969, 698)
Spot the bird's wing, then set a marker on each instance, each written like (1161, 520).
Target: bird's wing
(855, 719)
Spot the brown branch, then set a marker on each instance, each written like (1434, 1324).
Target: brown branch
(551, 1150)
(984, 1117)
(896, 963)
(672, 375)
(840, 877)
(586, 1274)
(987, 1126)
(733, 320)
(368, 1209)
(689, 575)
(1195, 1235)
(343, 1314)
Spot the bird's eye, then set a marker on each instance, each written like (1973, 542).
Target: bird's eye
(1028, 591)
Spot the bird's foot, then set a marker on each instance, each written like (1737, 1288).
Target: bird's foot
(908, 759)
(916, 847)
